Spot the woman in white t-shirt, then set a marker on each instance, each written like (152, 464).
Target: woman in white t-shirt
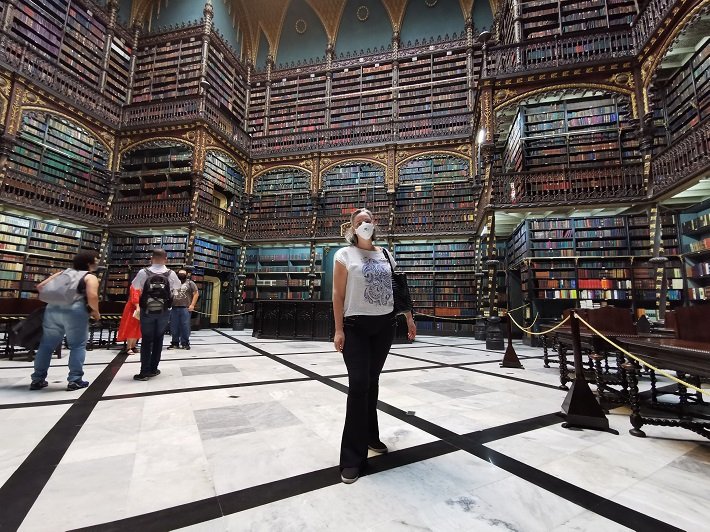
(363, 307)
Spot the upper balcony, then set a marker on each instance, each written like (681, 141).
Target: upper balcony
(19, 57)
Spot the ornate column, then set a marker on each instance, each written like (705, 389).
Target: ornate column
(137, 27)
(247, 96)
(494, 332)
(112, 6)
(198, 165)
(267, 92)
(238, 320)
(329, 56)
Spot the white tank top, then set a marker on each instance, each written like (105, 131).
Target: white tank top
(368, 291)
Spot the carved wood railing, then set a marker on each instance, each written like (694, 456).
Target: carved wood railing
(648, 20)
(557, 52)
(219, 220)
(185, 110)
(443, 126)
(29, 191)
(619, 183)
(164, 112)
(16, 56)
(147, 212)
(687, 157)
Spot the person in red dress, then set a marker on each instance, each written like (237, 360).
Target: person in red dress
(129, 330)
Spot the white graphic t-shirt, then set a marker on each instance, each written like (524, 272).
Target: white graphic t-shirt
(368, 290)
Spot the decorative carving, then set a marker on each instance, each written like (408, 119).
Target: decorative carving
(301, 26)
(502, 95)
(362, 13)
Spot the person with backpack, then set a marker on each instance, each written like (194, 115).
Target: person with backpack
(72, 296)
(157, 285)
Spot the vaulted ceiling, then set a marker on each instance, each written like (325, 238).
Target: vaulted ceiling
(268, 17)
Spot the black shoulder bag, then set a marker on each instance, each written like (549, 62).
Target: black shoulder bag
(400, 290)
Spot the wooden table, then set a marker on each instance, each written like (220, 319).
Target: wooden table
(689, 359)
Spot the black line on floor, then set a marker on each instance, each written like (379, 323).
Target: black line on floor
(586, 499)
(463, 367)
(566, 490)
(255, 496)
(11, 406)
(22, 489)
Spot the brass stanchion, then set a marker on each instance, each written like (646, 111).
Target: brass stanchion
(580, 406)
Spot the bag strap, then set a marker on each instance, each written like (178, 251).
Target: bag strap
(389, 260)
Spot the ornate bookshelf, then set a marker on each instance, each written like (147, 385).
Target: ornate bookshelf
(696, 247)
(441, 278)
(569, 262)
(541, 19)
(31, 250)
(281, 207)
(168, 68)
(435, 194)
(227, 79)
(155, 183)
(350, 186)
(283, 273)
(129, 253)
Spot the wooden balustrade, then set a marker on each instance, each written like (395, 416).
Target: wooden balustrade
(220, 220)
(548, 53)
(688, 156)
(23, 191)
(148, 212)
(164, 112)
(619, 183)
(648, 20)
(17, 57)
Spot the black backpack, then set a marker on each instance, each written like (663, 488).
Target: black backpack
(156, 295)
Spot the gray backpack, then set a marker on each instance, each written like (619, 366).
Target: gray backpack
(63, 289)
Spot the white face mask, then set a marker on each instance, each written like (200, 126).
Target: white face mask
(365, 230)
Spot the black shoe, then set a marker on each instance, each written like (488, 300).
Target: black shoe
(141, 377)
(378, 447)
(173, 346)
(153, 374)
(349, 475)
(186, 347)
(77, 385)
(38, 385)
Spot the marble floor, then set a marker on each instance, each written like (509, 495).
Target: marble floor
(243, 434)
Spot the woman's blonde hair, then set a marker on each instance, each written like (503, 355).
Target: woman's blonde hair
(350, 236)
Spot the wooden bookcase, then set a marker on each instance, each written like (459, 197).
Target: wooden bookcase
(434, 194)
(282, 273)
(168, 69)
(129, 253)
(684, 99)
(281, 207)
(156, 170)
(350, 186)
(442, 283)
(541, 19)
(56, 151)
(696, 247)
(568, 262)
(31, 250)
(578, 131)
(227, 81)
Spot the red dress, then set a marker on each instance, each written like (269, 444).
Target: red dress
(129, 326)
